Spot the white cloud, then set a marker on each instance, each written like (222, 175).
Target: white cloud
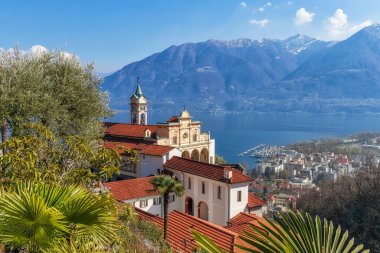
(339, 27)
(339, 20)
(37, 50)
(263, 7)
(261, 23)
(303, 17)
(243, 5)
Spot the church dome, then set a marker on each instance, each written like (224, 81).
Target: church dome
(185, 114)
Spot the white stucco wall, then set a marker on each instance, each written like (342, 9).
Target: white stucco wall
(212, 151)
(156, 209)
(216, 207)
(235, 206)
(149, 164)
(150, 208)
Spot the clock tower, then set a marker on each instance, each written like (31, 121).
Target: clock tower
(139, 107)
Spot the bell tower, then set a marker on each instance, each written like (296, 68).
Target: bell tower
(139, 107)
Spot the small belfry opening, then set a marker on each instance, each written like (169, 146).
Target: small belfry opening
(138, 106)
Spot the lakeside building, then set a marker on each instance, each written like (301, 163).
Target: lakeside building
(180, 132)
(212, 192)
(216, 196)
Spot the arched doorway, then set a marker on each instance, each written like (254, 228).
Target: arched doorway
(203, 211)
(189, 206)
(195, 155)
(186, 154)
(204, 155)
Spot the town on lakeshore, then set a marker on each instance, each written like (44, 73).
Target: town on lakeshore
(198, 126)
(220, 197)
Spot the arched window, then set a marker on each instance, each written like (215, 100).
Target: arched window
(174, 141)
(142, 119)
(195, 137)
(134, 118)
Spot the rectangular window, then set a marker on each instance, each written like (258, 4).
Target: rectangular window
(143, 203)
(157, 201)
(203, 187)
(239, 196)
(219, 192)
(189, 183)
(171, 198)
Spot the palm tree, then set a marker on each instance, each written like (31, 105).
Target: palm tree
(293, 232)
(165, 185)
(37, 216)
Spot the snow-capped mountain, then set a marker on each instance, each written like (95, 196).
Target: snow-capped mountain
(292, 74)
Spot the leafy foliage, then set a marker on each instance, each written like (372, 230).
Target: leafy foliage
(165, 185)
(219, 159)
(37, 154)
(39, 216)
(353, 202)
(138, 234)
(51, 89)
(293, 232)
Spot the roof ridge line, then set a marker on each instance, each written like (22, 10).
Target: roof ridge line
(216, 226)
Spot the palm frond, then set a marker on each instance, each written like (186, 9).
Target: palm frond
(291, 233)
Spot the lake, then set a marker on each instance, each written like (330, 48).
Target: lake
(235, 133)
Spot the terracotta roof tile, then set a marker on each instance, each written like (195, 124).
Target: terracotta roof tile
(241, 218)
(173, 119)
(180, 238)
(254, 201)
(150, 217)
(181, 224)
(146, 149)
(131, 188)
(156, 150)
(128, 130)
(206, 170)
(241, 223)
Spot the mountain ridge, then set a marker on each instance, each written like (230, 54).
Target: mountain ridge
(265, 75)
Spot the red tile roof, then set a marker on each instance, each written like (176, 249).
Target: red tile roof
(254, 201)
(156, 150)
(206, 170)
(181, 224)
(242, 222)
(150, 217)
(173, 119)
(128, 130)
(120, 146)
(146, 149)
(241, 218)
(131, 188)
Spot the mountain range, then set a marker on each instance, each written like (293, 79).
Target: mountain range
(296, 74)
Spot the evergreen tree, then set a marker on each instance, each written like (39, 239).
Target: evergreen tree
(52, 89)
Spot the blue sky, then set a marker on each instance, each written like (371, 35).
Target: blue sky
(114, 33)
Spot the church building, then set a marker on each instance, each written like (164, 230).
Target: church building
(180, 132)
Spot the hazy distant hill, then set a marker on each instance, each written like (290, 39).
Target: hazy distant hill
(299, 73)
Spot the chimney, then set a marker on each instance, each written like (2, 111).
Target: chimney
(227, 173)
